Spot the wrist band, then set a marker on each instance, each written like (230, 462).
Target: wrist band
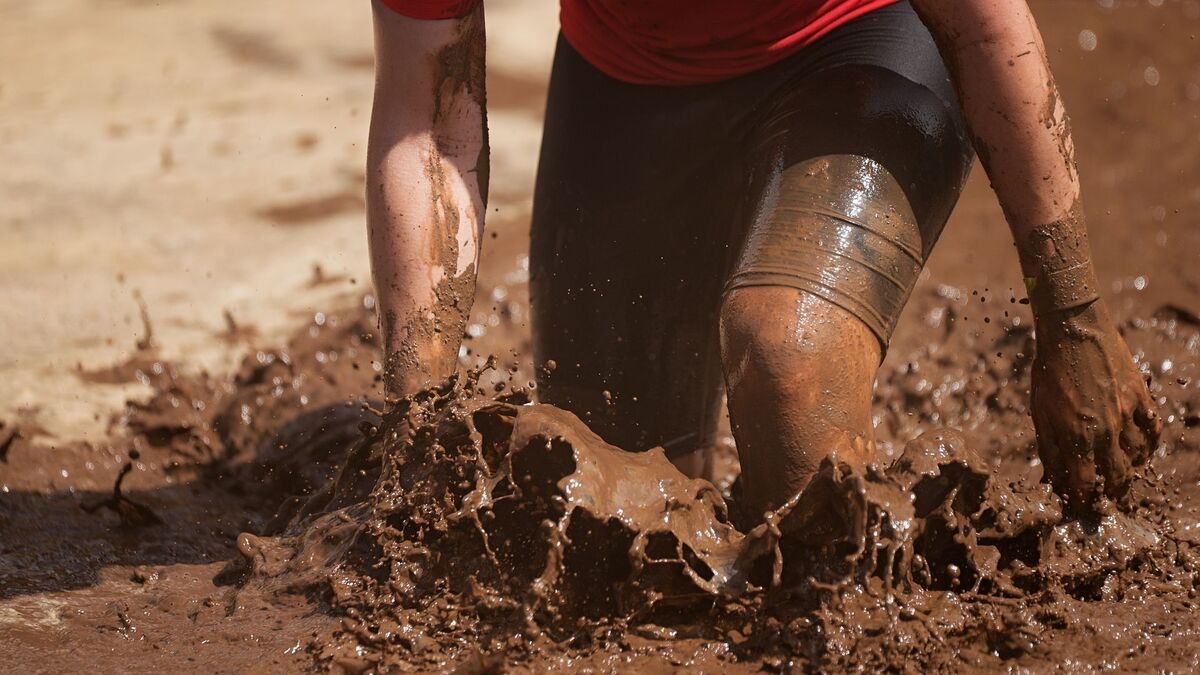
(1067, 288)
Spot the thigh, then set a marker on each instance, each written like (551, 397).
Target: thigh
(858, 161)
(630, 238)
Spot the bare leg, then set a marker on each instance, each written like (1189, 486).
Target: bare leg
(800, 372)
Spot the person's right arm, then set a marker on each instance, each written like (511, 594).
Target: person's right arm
(427, 174)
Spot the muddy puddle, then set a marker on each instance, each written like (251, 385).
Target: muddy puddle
(471, 528)
(465, 524)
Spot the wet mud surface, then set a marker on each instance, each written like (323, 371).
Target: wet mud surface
(277, 519)
(471, 528)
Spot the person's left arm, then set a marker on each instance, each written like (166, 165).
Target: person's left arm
(1093, 414)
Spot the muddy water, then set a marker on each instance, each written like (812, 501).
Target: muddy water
(272, 520)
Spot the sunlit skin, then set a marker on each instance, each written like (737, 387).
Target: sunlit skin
(404, 220)
(1091, 408)
(799, 370)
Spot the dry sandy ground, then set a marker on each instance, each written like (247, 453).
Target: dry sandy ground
(207, 156)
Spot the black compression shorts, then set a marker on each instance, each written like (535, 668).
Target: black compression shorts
(832, 171)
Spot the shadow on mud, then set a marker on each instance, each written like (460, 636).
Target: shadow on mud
(61, 541)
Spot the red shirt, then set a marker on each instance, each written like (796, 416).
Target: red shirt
(680, 41)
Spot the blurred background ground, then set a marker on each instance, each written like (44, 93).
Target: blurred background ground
(208, 156)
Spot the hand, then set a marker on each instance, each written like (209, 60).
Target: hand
(1092, 412)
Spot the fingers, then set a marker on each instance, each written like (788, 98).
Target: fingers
(1149, 423)
(1054, 469)
(1137, 440)
(1081, 475)
(1114, 463)
(1093, 442)
(1047, 450)
(1069, 461)
(1141, 429)
(1054, 466)
(1092, 428)
(1145, 416)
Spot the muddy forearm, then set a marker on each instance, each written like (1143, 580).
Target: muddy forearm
(427, 169)
(1021, 131)
(423, 246)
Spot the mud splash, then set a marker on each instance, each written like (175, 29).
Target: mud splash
(464, 525)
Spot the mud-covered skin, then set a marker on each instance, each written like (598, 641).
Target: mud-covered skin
(1092, 412)
(799, 372)
(459, 71)
(460, 68)
(427, 280)
(1057, 262)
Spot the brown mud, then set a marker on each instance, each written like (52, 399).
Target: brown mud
(513, 531)
(273, 520)
(469, 528)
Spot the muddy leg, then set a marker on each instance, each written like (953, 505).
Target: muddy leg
(799, 372)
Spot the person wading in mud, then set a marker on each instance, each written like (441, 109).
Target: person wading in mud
(746, 192)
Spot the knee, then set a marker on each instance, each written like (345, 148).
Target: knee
(743, 318)
(782, 338)
(760, 334)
